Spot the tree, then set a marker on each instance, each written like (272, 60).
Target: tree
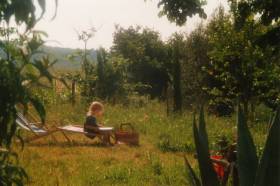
(102, 58)
(177, 48)
(147, 57)
(238, 68)
(110, 73)
(265, 11)
(178, 10)
(194, 76)
(23, 12)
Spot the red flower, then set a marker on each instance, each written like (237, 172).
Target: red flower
(218, 168)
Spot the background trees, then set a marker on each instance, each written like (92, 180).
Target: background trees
(176, 53)
(111, 76)
(178, 10)
(239, 68)
(194, 77)
(219, 63)
(268, 14)
(146, 56)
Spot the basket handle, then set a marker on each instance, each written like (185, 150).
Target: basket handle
(126, 124)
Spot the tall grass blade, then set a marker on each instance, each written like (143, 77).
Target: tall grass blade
(193, 179)
(202, 129)
(39, 107)
(269, 168)
(246, 152)
(208, 175)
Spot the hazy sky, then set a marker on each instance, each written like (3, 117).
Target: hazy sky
(103, 15)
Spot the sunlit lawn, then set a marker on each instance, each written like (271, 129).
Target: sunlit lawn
(157, 161)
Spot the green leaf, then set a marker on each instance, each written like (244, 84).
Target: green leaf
(202, 129)
(193, 179)
(42, 66)
(269, 168)
(39, 108)
(18, 136)
(247, 159)
(208, 175)
(42, 4)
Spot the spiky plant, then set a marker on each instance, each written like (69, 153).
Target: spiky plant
(251, 171)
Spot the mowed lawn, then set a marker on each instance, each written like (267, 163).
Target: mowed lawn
(157, 161)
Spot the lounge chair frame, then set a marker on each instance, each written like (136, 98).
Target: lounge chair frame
(33, 126)
(43, 130)
(79, 129)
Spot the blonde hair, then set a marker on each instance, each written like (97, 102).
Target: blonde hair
(94, 107)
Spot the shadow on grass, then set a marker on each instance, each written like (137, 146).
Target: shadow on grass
(68, 144)
(77, 144)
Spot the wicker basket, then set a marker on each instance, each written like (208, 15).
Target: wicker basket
(126, 134)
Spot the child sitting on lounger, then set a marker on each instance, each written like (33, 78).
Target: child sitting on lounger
(95, 111)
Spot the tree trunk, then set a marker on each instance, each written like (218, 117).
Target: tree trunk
(253, 111)
(73, 87)
(168, 93)
(245, 105)
(177, 87)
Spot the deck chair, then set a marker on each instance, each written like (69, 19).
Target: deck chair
(38, 131)
(100, 132)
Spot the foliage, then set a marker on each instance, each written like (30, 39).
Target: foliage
(176, 54)
(10, 173)
(208, 176)
(18, 73)
(111, 73)
(238, 68)
(23, 12)
(146, 57)
(250, 170)
(243, 50)
(269, 162)
(247, 159)
(178, 10)
(194, 77)
(267, 12)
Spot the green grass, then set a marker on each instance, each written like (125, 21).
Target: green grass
(157, 161)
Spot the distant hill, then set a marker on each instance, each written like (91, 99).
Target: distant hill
(61, 54)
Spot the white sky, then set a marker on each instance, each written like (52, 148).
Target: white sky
(104, 14)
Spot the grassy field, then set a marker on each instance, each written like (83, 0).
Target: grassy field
(157, 161)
